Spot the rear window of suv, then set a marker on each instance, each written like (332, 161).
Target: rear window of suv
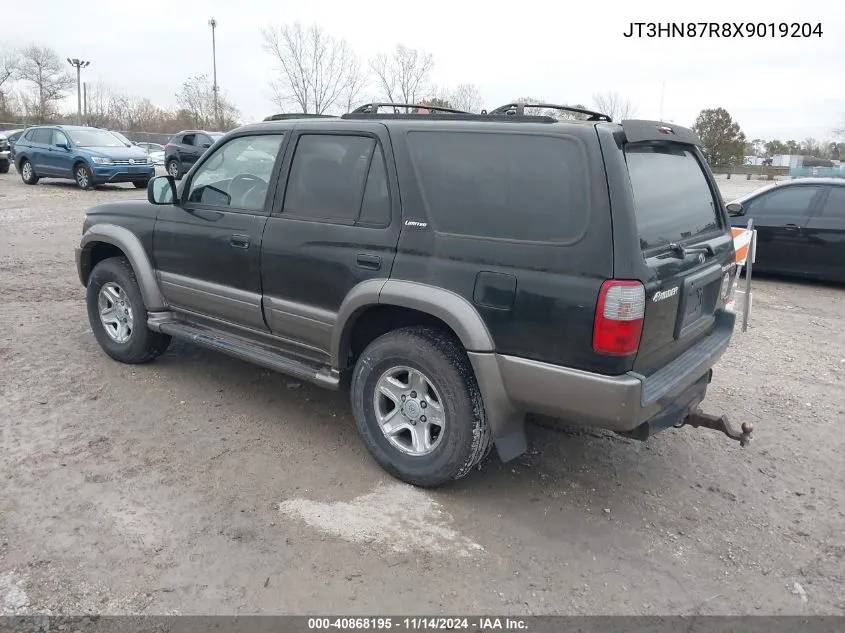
(673, 200)
(517, 187)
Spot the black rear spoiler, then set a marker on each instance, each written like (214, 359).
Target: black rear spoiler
(638, 131)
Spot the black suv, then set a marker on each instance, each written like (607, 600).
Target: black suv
(185, 148)
(454, 271)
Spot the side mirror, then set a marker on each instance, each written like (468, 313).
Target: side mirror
(161, 190)
(735, 209)
(206, 145)
(62, 145)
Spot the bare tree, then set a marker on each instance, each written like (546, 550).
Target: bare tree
(611, 104)
(466, 97)
(8, 68)
(356, 83)
(315, 70)
(42, 67)
(402, 76)
(196, 104)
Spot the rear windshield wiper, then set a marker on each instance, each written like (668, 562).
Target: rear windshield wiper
(682, 251)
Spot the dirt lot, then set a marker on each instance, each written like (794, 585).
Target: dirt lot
(201, 484)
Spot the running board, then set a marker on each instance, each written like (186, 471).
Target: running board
(250, 352)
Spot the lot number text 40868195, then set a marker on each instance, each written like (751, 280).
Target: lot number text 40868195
(418, 624)
(723, 29)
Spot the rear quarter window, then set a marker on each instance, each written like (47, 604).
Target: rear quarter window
(673, 200)
(518, 187)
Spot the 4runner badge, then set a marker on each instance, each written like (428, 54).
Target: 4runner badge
(664, 294)
(422, 225)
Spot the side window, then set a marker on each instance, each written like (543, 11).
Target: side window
(786, 202)
(521, 187)
(188, 139)
(327, 177)
(202, 140)
(43, 135)
(30, 136)
(834, 206)
(59, 137)
(375, 209)
(237, 174)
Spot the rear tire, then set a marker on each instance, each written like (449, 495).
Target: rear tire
(426, 371)
(174, 170)
(117, 314)
(28, 173)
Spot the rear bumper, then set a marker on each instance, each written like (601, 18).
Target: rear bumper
(618, 403)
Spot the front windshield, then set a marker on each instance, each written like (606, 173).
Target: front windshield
(94, 138)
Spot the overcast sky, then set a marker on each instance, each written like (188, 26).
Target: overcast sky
(562, 52)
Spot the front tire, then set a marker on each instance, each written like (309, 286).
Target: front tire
(4, 167)
(117, 314)
(28, 173)
(140, 184)
(83, 175)
(418, 408)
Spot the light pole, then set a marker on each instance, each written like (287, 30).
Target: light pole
(79, 65)
(213, 24)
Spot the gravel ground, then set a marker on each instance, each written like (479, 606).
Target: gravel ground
(201, 484)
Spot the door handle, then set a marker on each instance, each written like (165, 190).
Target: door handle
(791, 227)
(370, 262)
(240, 241)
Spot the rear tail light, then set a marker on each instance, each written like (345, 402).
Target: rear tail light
(619, 317)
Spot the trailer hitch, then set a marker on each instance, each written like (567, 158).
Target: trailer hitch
(720, 423)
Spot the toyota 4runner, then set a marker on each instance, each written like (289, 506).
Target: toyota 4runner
(453, 271)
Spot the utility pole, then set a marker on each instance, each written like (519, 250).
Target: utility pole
(79, 65)
(213, 24)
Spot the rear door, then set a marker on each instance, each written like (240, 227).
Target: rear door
(686, 244)
(825, 234)
(186, 149)
(40, 146)
(335, 223)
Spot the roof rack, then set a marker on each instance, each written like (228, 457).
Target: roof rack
(297, 115)
(518, 109)
(373, 108)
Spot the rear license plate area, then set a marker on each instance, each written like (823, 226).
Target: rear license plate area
(700, 293)
(133, 170)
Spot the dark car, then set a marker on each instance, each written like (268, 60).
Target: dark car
(5, 154)
(88, 155)
(185, 148)
(577, 269)
(12, 137)
(800, 227)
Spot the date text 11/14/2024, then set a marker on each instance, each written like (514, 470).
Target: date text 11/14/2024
(723, 29)
(421, 623)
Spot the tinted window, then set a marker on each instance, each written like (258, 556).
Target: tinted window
(834, 207)
(188, 139)
(789, 201)
(327, 177)
(43, 135)
(30, 136)
(237, 174)
(672, 197)
(375, 209)
(507, 186)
